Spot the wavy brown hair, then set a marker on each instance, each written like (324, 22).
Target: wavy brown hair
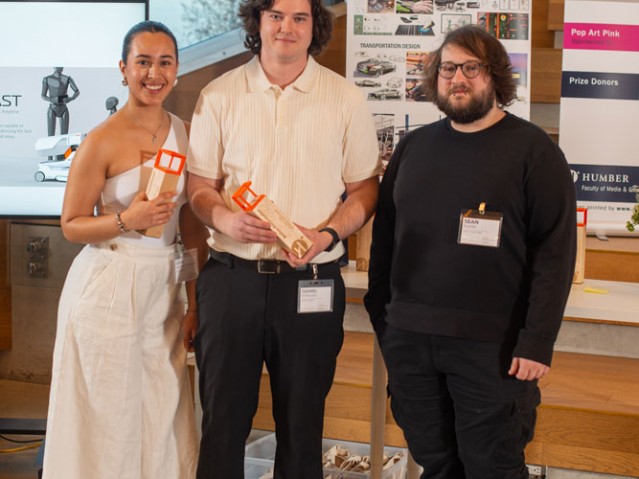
(250, 13)
(481, 44)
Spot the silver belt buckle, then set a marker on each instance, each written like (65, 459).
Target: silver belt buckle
(268, 267)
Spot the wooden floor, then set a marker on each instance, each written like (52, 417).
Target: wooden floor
(21, 400)
(589, 416)
(588, 419)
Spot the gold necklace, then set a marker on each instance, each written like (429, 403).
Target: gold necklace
(154, 134)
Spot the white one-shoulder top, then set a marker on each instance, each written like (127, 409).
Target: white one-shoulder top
(120, 190)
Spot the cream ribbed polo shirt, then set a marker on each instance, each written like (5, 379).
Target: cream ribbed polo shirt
(298, 146)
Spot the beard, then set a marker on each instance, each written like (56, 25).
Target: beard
(476, 109)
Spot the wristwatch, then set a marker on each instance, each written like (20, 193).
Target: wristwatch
(335, 236)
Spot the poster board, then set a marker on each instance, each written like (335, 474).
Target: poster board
(599, 110)
(388, 43)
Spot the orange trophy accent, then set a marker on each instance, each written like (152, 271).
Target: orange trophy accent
(165, 175)
(288, 234)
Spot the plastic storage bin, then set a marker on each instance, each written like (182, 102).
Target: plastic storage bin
(256, 468)
(260, 454)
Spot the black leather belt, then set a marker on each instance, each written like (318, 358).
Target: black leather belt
(264, 266)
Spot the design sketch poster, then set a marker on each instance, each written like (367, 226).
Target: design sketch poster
(600, 108)
(388, 46)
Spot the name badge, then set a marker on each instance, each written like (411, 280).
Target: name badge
(315, 296)
(480, 227)
(186, 265)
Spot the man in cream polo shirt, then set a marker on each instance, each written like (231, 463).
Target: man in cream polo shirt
(304, 136)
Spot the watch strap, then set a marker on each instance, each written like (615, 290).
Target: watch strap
(335, 236)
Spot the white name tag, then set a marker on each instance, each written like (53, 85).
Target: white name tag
(315, 296)
(480, 228)
(186, 265)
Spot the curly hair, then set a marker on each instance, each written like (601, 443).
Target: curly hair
(478, 42)
(250, 13)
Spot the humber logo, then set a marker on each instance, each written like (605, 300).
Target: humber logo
(575, 175)
(600, 177)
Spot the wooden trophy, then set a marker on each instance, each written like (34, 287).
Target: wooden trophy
(165, 175)
(580, 262)
(363, 246)
(288, 234)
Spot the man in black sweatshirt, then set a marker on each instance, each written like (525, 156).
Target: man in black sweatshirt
(471, 265)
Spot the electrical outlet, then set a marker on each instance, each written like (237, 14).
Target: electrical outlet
(38, 256)
(536, 472)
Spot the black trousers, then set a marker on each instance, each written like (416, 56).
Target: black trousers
(462, 416)
(246, 319)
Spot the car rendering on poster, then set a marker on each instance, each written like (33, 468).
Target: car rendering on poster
(385, 94)
(375, 67)
(368, 83)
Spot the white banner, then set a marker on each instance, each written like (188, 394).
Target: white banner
(600, 109)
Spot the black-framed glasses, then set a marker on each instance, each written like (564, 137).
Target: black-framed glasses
(470, 69)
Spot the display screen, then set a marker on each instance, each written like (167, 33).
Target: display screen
(59, 78)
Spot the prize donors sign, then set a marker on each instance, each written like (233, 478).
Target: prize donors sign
(603, 84)
(600, 107)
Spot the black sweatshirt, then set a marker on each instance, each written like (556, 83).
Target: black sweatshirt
(421, 279)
